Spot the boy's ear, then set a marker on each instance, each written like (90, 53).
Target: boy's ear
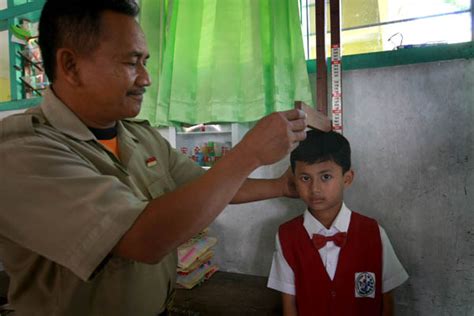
(66, 62)
(348, 178)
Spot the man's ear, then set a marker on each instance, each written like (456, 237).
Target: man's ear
(348, 178)
(66, 61)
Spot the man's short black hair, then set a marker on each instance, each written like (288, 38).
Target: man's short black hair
(75, 24)
(323, 146)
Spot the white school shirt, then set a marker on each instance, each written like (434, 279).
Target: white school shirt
(282, 277)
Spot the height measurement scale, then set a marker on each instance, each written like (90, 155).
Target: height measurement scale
(336, 66)
(336, 87)
(336, 62)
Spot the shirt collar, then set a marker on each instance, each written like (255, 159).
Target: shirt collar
(340, 224)
(63, 119)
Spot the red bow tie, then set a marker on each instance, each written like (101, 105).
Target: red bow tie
(319, 241)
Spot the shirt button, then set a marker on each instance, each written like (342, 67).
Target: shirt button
(333, 294)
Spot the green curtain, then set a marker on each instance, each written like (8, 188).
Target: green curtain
(222, 60)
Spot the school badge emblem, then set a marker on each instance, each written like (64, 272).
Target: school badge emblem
(365, 284)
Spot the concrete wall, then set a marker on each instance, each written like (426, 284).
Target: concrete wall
(411, 129)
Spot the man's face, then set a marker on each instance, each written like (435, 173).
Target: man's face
(113, 76)
(321, 185)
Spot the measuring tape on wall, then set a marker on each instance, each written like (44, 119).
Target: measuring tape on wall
(336, 85)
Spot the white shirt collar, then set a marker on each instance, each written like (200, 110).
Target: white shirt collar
(340, 224)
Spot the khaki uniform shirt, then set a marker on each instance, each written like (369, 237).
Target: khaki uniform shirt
(66, 201)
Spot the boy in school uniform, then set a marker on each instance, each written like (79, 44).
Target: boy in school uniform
(330, 260)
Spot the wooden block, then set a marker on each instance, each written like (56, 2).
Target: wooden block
(315, 119)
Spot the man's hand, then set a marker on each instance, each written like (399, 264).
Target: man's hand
(288, 185)
(274, 136)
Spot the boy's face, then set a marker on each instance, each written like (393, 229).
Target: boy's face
(321, 185)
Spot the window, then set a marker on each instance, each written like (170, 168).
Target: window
(381, 25)
(21, 74)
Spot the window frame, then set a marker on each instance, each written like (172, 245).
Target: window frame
(405, 56)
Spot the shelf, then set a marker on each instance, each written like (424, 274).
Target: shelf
(36, 63)
(27, 64)
(35, 87)
(229, 134)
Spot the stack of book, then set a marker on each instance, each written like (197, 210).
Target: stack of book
(194, 260)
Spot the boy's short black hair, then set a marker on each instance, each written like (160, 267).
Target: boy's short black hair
(323, 146)
(75, 24)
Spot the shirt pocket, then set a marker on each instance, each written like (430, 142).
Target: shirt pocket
(160, 186)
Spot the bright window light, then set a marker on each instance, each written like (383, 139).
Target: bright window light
(380, 25)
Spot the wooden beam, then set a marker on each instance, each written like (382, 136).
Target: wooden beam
(321, 74)
(334, 7)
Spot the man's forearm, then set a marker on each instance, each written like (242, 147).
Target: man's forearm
(258, 189)
(173, 218)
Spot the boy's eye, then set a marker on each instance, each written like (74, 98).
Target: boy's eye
(305, 178)
(326, 177)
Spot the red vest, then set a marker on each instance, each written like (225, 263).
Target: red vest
(358, 273)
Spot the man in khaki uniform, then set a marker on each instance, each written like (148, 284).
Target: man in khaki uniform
(93, 204)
